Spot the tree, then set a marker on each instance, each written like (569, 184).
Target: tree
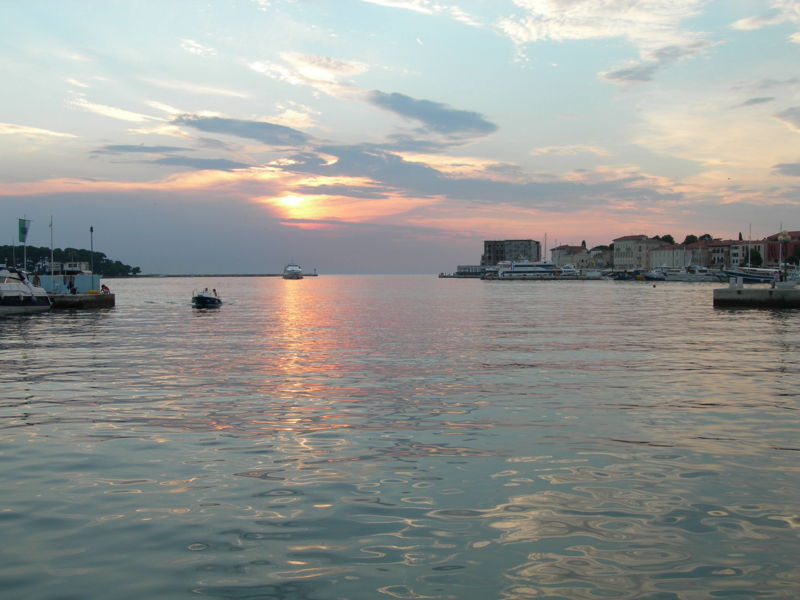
(755, 258)
(794, 259)
(690, 239)
(740, 236)
(706, 237)
(668, 239)
(101, 264)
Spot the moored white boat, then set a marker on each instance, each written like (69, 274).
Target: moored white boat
(18, 295)
(752, 274)
(692, 273)
(529, 270)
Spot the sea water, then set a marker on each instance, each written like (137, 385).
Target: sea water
(368, 437)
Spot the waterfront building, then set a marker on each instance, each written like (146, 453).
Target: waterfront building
(681, 255)
(514, 250)
(633, 252)
(778, 251)
(577, 256)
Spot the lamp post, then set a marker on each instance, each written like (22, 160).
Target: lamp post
(91, 248)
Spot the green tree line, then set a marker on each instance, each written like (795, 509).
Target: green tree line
(102, 265)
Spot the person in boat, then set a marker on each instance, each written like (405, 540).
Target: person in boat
(104, 289)
(215, 291)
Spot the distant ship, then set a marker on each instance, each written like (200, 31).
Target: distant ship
(292, 271)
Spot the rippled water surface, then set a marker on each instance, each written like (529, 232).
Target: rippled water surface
(360, 437)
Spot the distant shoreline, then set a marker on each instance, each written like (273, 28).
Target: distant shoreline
(153, 276)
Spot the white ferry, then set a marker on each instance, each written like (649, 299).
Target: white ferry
(529, 270)
(292, 271)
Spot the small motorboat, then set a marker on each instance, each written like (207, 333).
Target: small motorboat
(206, 299)
(20, 295)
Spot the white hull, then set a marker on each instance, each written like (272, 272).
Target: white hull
(18, 296)
(24, 310)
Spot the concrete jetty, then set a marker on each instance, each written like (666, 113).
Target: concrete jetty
(783, 295)
(82, 301)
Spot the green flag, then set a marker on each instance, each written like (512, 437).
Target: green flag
(24, 225)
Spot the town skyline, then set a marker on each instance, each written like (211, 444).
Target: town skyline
(392, 136)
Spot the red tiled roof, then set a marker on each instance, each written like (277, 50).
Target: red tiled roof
(627, 238)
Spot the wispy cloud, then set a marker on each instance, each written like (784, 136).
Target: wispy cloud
(434, 116)
(790, 169)
(264, 132)
(11, 129)
(790, 116)
(322, 73)
(139, 149)
(757, 101)
(75, 82)
(110, 111)
(647, 24)
(569, 150)
(295, 115)
(200, 164)
(779, 12)
(428, 7)
(197, 49)
(193, 88)
(657, 59)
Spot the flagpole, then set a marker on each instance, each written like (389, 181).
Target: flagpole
(91, 248)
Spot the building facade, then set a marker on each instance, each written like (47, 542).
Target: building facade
(577, 256)
(633, 252)
(495, 251)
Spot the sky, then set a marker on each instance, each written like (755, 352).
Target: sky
(392, 136)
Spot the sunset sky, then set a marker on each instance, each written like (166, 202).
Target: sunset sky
(392, 136)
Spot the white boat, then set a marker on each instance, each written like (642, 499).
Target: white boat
(752, 274)
(655, 275)
(692, 273)
(19, 296)
(292, 271)
(529, 270)
(206, 299)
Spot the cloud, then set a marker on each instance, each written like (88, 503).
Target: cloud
(761, 85)
(197, 49)
(427, 7)
(124, 148)
(322, 73)
(790, 169)
(636, 72)
(647, 24)
(780, 11)
(110, 111)
(756, 101)
(295, 115)
(200, 164)
(569, 150)
(790, 116)
(193, 88)
(658, 58)
(11, 129)
(266, 133)
(435, 117)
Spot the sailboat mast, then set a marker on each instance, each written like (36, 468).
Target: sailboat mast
(52, 276)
